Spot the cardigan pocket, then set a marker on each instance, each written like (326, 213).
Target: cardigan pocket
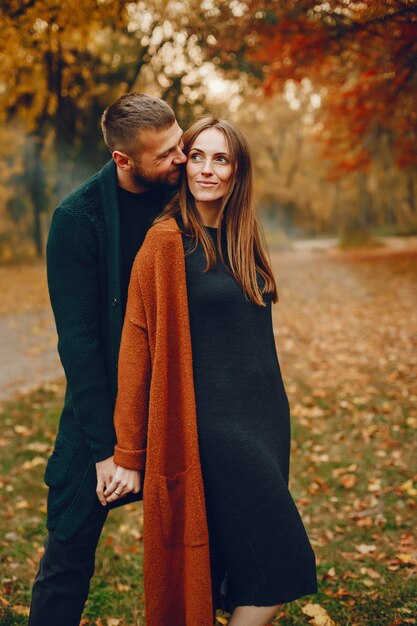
(60, 461)
(182, 510)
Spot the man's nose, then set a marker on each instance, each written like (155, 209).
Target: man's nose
(180, 157)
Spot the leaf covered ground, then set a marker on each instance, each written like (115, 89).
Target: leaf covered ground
(346, 333)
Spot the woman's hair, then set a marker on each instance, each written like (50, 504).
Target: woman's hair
(246, 247)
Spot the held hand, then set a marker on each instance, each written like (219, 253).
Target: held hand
(124, 481)
(105, 472)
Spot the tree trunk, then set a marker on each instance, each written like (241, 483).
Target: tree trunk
(411, 194)
(363, 201)
(38, 193)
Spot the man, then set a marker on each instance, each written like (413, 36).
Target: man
(94, 237)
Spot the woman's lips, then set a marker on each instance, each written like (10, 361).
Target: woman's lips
(205, 183)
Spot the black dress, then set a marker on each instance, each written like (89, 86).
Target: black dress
(260, 552)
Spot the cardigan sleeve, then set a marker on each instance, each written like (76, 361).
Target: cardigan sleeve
(72, 269)
(134, 378)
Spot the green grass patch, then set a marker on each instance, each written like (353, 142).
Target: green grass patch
(353, 491)
(29, 427)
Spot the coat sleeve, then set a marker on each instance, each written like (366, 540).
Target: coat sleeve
(72, 268)
(134, 379)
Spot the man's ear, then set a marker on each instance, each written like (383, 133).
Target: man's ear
(122, 160)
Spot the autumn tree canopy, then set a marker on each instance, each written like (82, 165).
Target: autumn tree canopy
(68, 61)
(361, 56)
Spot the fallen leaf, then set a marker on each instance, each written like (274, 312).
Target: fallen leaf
(341, 592)
(368, 571)
(319, 615)
(409, 488)
(21, 610)
(405, 557)
(331, 572)
(348, 481)
(22, 504)
(38, 446)
(35, 462)
(339, 471)
(123, 528)
(21, 430)
(364, 548)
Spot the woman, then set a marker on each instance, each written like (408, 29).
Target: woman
(202, 405)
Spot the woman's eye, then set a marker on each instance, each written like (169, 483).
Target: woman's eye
(222, 159)
(196, 157)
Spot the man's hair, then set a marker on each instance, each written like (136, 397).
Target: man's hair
(131, 113)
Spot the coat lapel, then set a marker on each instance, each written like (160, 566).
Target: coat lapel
(108, 192)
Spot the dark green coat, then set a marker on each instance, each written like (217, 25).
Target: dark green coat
(84, 279)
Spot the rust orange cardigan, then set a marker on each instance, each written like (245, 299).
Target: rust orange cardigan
(156, 427)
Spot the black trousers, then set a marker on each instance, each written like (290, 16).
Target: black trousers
(62, 583)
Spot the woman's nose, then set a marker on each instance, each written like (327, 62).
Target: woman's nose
(207, 167)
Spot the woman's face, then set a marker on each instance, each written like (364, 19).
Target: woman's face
(209, 167)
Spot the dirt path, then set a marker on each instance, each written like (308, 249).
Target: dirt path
(28, 349)
(314, 280)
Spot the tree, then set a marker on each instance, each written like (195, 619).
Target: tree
(360, 58)
(68, 61)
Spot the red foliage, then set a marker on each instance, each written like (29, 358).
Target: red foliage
(363, 54)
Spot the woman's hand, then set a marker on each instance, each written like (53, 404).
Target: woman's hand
(124, 481)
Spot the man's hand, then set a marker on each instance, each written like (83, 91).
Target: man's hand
(124, 481)
(105, 472)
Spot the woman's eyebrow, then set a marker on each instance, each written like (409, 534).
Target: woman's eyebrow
(216, 153)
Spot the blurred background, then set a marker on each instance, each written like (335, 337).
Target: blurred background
(326, 93)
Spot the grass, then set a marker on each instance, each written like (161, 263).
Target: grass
(357, 535)
(28, 433)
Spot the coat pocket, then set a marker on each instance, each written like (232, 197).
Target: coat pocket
(182, 510)
(60, 461)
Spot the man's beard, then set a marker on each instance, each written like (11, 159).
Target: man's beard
(156, 181)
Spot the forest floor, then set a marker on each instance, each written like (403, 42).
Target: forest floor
(346, 333)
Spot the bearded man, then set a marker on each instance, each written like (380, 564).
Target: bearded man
(94, 237)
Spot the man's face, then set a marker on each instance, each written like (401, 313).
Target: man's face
(159, 159)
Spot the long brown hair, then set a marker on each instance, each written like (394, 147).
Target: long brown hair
(246, 245)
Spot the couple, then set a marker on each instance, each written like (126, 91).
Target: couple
(187, 404)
